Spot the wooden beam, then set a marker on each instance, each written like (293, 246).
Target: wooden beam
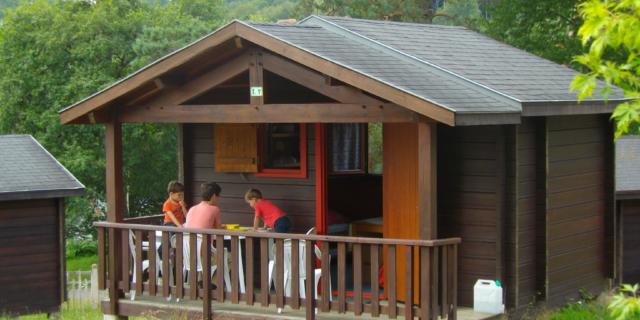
(346, 75)
(114, 179)
(256, 76)
(315, 81)
(427, 179)
(270, 113)
(167, 64)
(201, 84)
(115, 207)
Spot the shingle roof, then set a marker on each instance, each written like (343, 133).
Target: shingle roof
(469, 54)
(628, 164)
(411, 76)
(28, 171)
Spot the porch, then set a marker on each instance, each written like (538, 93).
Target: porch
(429, 281)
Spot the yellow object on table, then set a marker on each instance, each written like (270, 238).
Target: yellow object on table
(232, 226)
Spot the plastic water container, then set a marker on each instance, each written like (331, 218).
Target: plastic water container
(487, 297)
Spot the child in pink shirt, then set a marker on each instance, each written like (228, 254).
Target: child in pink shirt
(272, 216)
(206, 215)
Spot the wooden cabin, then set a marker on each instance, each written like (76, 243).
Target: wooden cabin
(628, 208)
(32, 247)
(480, 141)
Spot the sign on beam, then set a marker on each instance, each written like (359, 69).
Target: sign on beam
(256, 91)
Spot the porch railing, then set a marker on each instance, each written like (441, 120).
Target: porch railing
(430, 270)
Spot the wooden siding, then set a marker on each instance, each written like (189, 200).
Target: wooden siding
(30, 267)
(577, 204)
(294, 196)
(630, 224)
(470, 199)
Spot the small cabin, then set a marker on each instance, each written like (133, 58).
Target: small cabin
(33, 186)
(490, 167)
(628, 208)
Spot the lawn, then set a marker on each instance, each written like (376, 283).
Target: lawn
(72, 311)
(81, 263)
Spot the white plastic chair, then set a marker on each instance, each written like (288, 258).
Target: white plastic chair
(186, 258)
(145, 263)
(302, 272)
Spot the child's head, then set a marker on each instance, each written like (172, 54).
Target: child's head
(176, 191)
(210, 192)
(252, 196)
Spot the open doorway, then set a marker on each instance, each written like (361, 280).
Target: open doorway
(354, 179)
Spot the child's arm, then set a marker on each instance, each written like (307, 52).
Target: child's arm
(256, 222)
(173, 218)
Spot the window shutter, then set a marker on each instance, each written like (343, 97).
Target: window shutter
(236, 147)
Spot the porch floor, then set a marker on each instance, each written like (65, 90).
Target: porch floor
(161, 308)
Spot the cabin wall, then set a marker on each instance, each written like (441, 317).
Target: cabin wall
(578, 205)
(471, 184)
(31, 266)
(294, 196)
(630, 227)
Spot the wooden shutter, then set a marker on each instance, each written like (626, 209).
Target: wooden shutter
(236, 147)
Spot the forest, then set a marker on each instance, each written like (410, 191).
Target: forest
(56, 52)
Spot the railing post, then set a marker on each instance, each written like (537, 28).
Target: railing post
(310, 299)
(115, 272)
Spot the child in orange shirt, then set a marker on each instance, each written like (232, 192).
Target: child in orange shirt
(174, 208)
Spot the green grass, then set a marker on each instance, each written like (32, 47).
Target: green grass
(577, 311)
(71, 311)
(82, 263)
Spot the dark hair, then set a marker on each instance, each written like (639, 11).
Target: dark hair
(253, 194)
(207, 190)
(175, 186)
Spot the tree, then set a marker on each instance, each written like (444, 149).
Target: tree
(546, 28)
(464, 13)
(396, 10)
(612, 31)
(53, 53)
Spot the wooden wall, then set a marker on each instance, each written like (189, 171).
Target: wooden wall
(630, 224)
(295, 196)
(578, 203)
(471, 166)
(31, 264)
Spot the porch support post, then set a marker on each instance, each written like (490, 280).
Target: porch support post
(115, 209)
(427, 180)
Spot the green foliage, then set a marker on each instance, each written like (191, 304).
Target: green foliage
(81, 263)
(53, 53)
(611, 29)
(396, 10)
(546, 28)
(626, 304)
(261, 10)
(375, 148)
(579, 310)
(460, 13)
(81, 247)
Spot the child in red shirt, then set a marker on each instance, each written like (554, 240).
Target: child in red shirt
(174, 208)
(272, 216)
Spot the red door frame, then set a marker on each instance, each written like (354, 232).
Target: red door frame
(321, 178)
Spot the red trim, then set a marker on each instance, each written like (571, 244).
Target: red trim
(321, 179)
(300, 173)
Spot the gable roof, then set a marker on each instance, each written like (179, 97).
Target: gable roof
(450, 74)
(28, 171)
(628, 166)
(512, 72)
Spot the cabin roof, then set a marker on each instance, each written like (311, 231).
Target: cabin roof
(628, 166)
(467, 54)
(29, 171)
(453, 69)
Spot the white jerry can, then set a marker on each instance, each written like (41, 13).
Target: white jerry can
(487, 297)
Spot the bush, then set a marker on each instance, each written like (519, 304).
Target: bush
(626, 304)
(81, 248)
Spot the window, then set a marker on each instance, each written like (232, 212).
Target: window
(282, 150)
(347, 148)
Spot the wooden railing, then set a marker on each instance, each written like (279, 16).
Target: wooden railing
(430, 270)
